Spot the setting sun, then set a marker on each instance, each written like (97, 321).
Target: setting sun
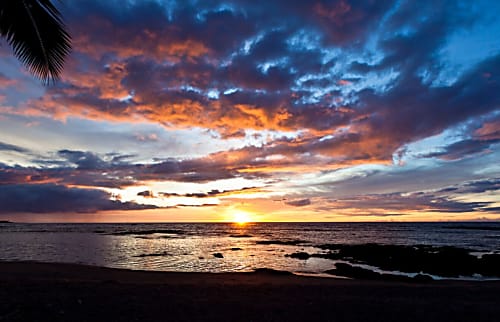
(241, 217)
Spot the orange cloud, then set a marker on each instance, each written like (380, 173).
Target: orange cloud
(334, 12)
(344, 82)
(7, 82)
(104, 38)
(489, 131)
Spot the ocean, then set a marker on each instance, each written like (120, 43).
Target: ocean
(227, 247)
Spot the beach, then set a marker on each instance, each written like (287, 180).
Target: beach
(32, 291)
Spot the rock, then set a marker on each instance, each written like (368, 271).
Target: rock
(489, 265)
(299, 255)
(444, 261)
(343, 269)
(347, 270)
(153, 254)
(422, 278)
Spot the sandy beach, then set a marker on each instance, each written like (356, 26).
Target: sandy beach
(32, 291)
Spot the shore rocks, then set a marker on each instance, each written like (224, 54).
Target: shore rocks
(153, 254)
(343, 269)
(445, 261)
(299, 255)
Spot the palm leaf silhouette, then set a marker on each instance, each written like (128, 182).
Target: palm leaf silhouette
(35, 31)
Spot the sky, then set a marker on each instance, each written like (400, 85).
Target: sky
(280, 111)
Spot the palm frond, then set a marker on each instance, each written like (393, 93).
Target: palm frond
(37, 34)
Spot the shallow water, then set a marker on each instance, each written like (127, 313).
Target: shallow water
(191, 247)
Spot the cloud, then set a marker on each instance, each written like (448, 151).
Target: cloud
(412, 111)
(146, 194)
(85, 168)
(489, 130)
(6, 81)
(265, 78)
(201, 205)
(480, 186)
(301, 87)
(494, 210)
(299, 202)
(212, 193)
(139, 44)
(81, 168)
(83, 160)
(480, 136)
(406, 202)
(349, 21)
(12, 147)
(51, 198)
(449, 199)
(463, 149)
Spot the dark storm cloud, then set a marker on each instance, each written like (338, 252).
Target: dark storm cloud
(445, 200)
(50, 198)
(211, 193)
(299, 202)
(91, 170)
(83, 160)
(343, 22)
(482, 139)
(414, 107)
(11, 147)
(114, 171)
(401, 202)
(480, 186)
(272, 71)
(415, 111)
(494, 210)
(154, 27)
(463, 149)
(12, 175)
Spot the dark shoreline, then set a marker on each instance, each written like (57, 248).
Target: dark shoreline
(424, 260)
(31, 291)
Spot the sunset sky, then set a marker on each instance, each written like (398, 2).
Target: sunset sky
(283, 111)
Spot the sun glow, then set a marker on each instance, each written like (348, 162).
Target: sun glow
(241, 218)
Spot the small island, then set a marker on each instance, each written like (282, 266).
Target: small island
(5, 222)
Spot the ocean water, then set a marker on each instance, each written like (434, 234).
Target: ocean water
(190, 247)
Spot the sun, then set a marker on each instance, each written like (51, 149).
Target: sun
(241, 218)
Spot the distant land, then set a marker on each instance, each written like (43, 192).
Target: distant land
(5, 222)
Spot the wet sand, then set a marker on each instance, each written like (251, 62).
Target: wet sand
(67, 292)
